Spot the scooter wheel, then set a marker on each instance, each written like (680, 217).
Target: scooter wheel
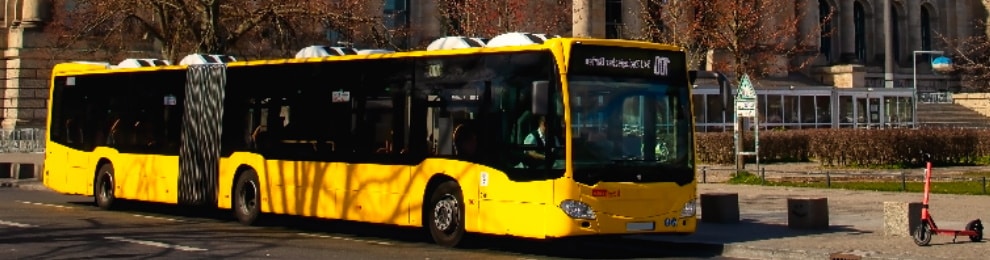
(922, 235)
(977, 227)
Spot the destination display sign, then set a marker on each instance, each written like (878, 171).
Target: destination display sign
(626, 61)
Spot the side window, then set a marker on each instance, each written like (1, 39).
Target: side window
(455, 89)
(381, 109)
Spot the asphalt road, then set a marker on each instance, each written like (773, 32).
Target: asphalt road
(45, 225)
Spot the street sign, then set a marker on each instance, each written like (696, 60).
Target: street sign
(746, 108)
(746, 90)
(746, 98)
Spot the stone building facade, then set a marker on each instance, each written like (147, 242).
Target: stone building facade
(26, 67)
(852, 57)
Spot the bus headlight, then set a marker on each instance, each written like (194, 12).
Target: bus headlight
(577, 209)
(689, 209)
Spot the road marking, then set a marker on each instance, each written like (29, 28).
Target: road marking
(347, 239)
(43, 204)
(15, 224)
(156, 244)
(158, 218)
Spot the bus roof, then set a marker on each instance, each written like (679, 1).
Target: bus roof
(79, 68)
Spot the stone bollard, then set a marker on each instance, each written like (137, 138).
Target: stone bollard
(900, 218)
(807, 213)
(720, 207)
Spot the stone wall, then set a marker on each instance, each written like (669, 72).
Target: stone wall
(979, 102)
(26, 66)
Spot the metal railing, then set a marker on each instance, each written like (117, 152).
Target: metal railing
(22, 140)
(935, 98)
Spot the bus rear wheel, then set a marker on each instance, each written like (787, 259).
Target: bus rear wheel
(247, 198)
(445, 214)
(103, 187)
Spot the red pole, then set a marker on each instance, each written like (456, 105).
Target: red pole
(928, 183)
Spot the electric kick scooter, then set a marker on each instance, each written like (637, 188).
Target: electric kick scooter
(923, 233)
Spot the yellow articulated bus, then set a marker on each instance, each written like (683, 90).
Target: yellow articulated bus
(552, 138)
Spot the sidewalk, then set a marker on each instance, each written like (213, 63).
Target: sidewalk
(855, 220)
(25, 184)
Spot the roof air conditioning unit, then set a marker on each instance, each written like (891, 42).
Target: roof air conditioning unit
(193, 59)
(519, 38)
(455, 42)
(315, 51)
(141, 63)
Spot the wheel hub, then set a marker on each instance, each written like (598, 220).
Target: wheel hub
(446, 213)
(248, 196)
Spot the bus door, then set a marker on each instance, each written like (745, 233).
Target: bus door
(199, 157)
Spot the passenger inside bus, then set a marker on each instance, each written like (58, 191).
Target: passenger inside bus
(465, 141)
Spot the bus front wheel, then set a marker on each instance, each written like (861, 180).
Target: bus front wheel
(445, 214)
(103, 187)
(247, 198)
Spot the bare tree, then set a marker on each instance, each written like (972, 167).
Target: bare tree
(674, 22)
(971, 56)
(486, 18)
(757, 37)
(177, 27)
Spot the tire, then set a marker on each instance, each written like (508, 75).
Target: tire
(445, 214)
(247, 198)
(976, 226)
(922, 234)
(103, 188)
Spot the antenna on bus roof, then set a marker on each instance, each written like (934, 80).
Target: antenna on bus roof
(519, 38)
(192, 59)
(455, 42)
(140, 63)
(324, 51)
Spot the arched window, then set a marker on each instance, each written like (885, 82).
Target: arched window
(825, 46)
(613, 19)
(859, 17)
(926, 29)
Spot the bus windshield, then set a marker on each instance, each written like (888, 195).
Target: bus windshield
(629, 129)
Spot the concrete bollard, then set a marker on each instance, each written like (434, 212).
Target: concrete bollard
(807, 213)
(720, 208)
(900, 218)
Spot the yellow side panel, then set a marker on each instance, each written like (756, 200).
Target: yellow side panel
(299, 188)
(152, 178)
(517, 208)
(376, 193)
(68, 170)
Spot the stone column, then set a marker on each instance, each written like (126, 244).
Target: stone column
(424, 21)
(582, 24)
(632, 19)
(847, 31)
(27, 70)
(26, 93)
(809, 21)
(964, 19)
(948, 15)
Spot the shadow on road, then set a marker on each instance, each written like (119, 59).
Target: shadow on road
(608, 247)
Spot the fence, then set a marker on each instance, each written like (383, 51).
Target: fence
(22, 140)
(895, 181)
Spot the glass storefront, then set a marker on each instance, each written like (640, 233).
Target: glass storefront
(810, 107)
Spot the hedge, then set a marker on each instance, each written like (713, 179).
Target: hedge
(855, 147)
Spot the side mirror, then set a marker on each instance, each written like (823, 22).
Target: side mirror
(541, 95)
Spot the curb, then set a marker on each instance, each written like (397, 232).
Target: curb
(751, 252)
(25, 184)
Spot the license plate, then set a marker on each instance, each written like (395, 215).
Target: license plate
(640, 226)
